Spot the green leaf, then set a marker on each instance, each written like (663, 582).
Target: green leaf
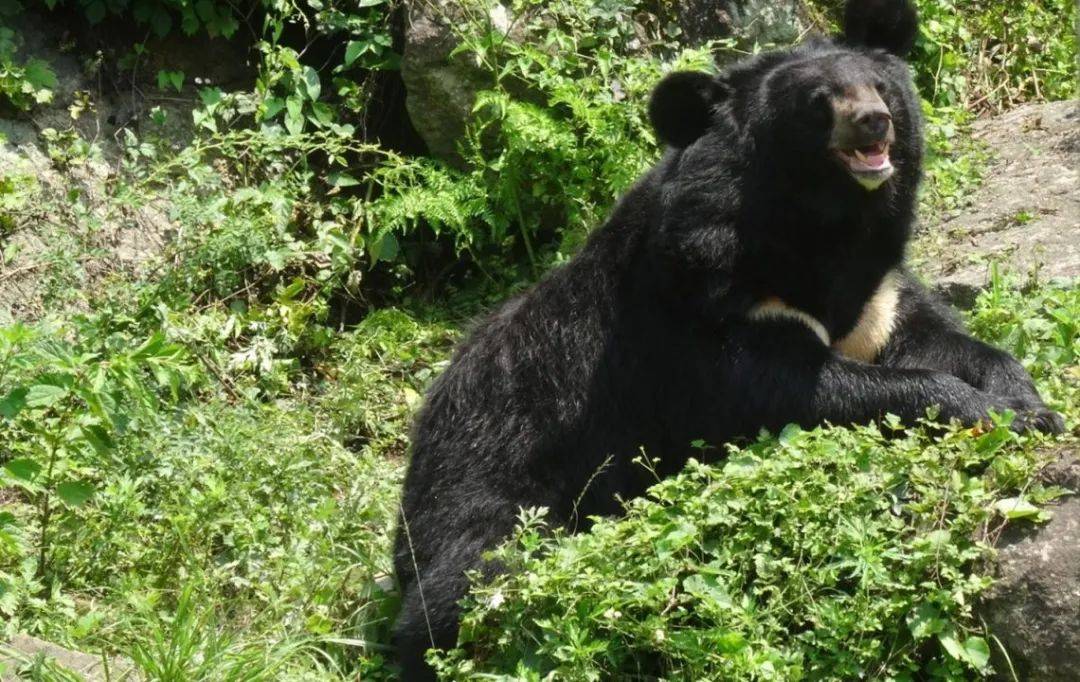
(294, 118)
(161, 22)
(974, 650)
(342, 180)
(95, 11)
(74, 493)
(385, 249)
(225, 25)
(23, 468)
(977, 652)
(272, 106)
(205, 10)
(353, 50)
(951, 644)
(44, 395)
(211, 96)
(789, 433)
(322, 114)
(1016, 508)
(189, 22)
(170, 78)
(312, 86)
(275, 259)
(98, 438)
(38, 73)
(13, 403)
(730, 642)
(708, 589)
(150, 347)
(925, 621)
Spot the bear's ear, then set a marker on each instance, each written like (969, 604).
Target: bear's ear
(887, 24)
(681, 106)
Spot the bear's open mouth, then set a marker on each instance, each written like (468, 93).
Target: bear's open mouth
(869, 165)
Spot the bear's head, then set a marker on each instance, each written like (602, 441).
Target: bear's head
(837, 116)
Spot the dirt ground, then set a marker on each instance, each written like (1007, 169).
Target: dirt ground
(1026, 213)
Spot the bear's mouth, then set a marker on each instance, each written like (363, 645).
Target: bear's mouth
(869, 164)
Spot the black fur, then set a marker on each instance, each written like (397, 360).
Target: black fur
(681, 107)
(643, 340)
(884, 24)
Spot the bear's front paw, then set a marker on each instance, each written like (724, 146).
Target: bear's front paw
(1041, 419)
(1031, 413)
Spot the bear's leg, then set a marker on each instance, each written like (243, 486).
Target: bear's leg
(430, 613)
(422, 625)
(781, 372)
(927, 335)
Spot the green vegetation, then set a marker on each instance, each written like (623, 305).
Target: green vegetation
(203, 446)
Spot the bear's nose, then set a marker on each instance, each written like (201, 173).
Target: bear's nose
(872, 122)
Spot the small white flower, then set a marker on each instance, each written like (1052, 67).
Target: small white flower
(496, 600)
(659, 635)
(612, 614)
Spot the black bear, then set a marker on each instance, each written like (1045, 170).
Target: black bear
(753, 278)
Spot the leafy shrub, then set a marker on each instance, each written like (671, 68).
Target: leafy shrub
(218, 19)
(1038, 324)
(977, 55)
(825, 554)
(22, 84)
(994, 55)
(65, 404)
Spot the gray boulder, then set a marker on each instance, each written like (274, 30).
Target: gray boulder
(1034, 605)
(440, 89)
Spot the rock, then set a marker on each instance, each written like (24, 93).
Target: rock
(1034, 605)
(440, 89)
(24, 649)
(1026, 213)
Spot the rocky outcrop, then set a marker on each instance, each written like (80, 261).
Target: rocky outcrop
(1034, 606)
(1025, 214)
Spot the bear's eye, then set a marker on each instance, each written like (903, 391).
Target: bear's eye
(881, 86)
(819, 111)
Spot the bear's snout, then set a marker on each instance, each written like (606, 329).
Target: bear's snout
(860, 118)
(862, 135)
(872, 123)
